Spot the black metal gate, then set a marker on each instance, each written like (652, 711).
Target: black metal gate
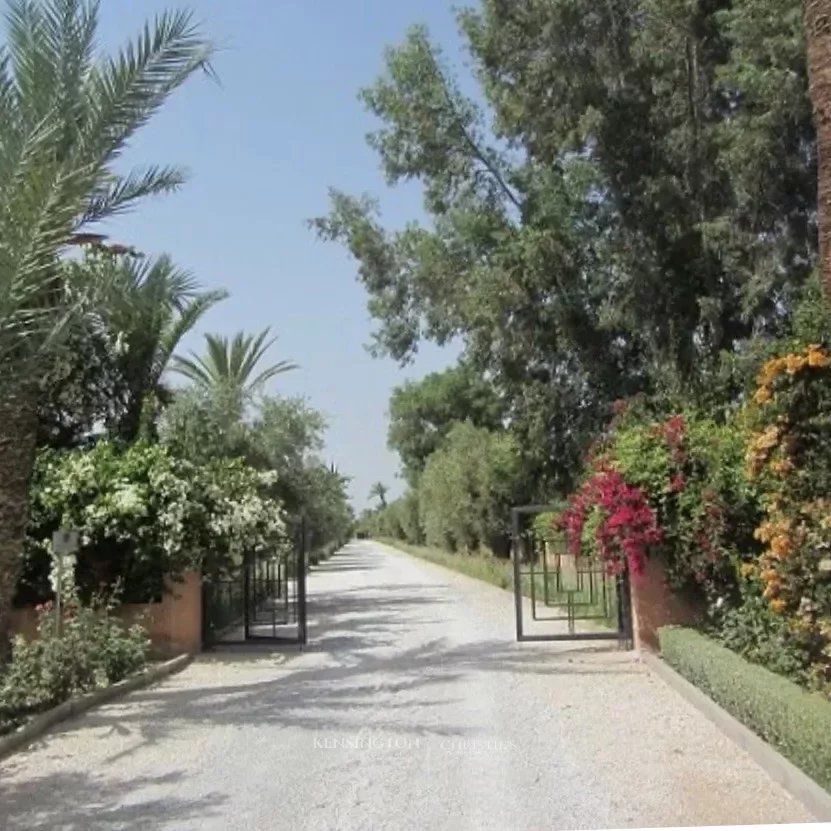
(560, 597)
(262, 600)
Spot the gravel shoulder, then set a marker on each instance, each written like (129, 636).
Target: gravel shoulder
(412, 708)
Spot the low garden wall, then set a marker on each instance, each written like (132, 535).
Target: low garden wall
(174, 625)
(655, 604)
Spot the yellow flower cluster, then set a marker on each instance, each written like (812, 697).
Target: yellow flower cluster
(761, 446)
(781, 467)
(783, 540)
(768, 530)
(786, 533)
(814, 357)
(781, 537)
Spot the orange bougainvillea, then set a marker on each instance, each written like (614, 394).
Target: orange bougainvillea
(814, 357)
(788, 459)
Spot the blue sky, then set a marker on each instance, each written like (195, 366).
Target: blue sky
(263, 148)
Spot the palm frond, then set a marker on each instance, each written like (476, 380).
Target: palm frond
(271, 372)
(194, 369)
(219, 358)
(126, 91)
(188, 317)
(118, 195)
(8, 101)
(64, 118)
(34, 68)
(230, 366)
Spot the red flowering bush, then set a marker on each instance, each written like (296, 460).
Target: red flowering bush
(675, 487)
(692, 471)
(611, 519)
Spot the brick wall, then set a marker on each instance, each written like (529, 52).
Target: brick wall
(655, 605)
(174, 625)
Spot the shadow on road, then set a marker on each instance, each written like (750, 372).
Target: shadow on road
(353, 664)
(82, 801)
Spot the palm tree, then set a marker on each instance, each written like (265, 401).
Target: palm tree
(379, 491)
(66, 115)
(230, 370)
(818, 36)
(157, 305)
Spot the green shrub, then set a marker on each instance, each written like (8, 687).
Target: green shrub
(91, 650)
(755, 632)
(144, 514)
(692, 470)
(468, 488)
(795, 722)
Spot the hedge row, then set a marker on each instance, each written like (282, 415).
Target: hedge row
(797, 723)
(324, 553)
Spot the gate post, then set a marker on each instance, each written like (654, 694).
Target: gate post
(301, 585)
(246, 594)
(655, 604)
(516, 556)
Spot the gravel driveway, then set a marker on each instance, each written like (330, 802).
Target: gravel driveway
(412, 708)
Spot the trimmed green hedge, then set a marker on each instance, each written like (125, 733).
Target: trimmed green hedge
(317, 556)
(797, 723)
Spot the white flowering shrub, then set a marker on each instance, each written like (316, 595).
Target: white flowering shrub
(144, 514)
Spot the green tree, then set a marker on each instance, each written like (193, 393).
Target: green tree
(406, 519)
(82, 389)
(230, 369)
(635, 198)
(283, 436)
(818, 36)
(468, 487)
(328, 514)
(286, 436)
(195, 426)
(379, 491)
(66, 115)
(155, 305)
(422, 413)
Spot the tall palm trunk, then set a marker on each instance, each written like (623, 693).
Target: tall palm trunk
(18, 435)
(818, 35)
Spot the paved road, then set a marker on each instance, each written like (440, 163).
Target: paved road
(413, 709)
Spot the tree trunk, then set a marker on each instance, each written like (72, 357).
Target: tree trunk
(18, 440)
(818, 36)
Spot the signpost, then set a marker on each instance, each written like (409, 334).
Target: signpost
(64, 543)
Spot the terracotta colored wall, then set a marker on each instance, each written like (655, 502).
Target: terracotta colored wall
(654, 605)
(174, 625)
(24, 622)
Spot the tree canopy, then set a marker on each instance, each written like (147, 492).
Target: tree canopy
(631, 197)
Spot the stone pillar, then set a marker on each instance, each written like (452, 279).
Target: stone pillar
(654, 605)
(174, 625)
(184, 614)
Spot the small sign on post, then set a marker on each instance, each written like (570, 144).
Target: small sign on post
(64, 543)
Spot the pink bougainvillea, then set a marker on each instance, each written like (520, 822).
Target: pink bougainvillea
(628, 525)
(678, 483)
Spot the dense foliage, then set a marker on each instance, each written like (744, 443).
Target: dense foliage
(89, 648)
(93, 437)
(68, 110)
(789, 455)
(632, 198)
(622, 233)
(466, 488)
(144, 514)
(423, 412)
